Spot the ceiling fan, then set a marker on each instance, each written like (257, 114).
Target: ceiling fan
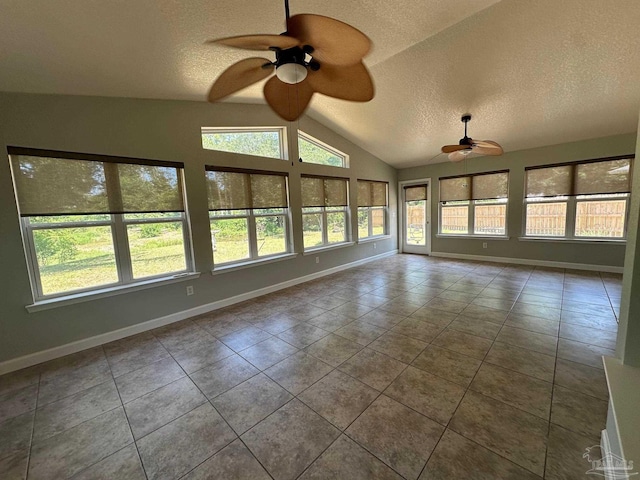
(468, 145)
(316, 54)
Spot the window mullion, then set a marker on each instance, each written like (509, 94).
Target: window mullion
(370, 221)
(570, 228)
(325, 232)
(471, 217)
(121, 247)
(253, 236)
(34, 271)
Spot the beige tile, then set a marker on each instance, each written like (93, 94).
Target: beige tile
(181, 445)
(448, 364)
(330, 321)
(415, 328)
(276, 323)
(361, 332)
(157, 408)
(10, 382)
(16, 434)
(589, 335)
(432, 396)
(564, 454)
(124, 464)
(196, 355)
(241, 339)
(582, 353)
(339, 398)
(345, 459)
(601, 323)
(582, 378)
(400, 437)
(268, 352)
(16, 402)
(547, 313)
(223, 375)
(464, 343)
(520, 391)
(445, 305)
(435, 317)
(533, 324)
(512, 433)
(298, 372)
(382, 319)
(537, 365)
(536, 342)
(352, 309)
(398, 346)
(373, 368)
(333, 349)
(14, 467)
(302, 335)
(401, 306)
(475, 326)
(232, 462)
(248, 403)
(146, 379)
(134, 352)
(488, 314)
(289, 440)
(577, 412)
(455, 457)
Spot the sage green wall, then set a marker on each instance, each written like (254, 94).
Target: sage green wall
(592, 253)
(162, 130)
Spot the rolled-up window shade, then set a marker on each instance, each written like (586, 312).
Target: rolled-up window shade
(228, 190)
(365, 195)
(549, 181)
(379, 194)
(312, 192)
(335, 192)
(372, 194)
(454, 189)
(611, 176)
(268, 191)
(415, 193)
(490, 186)
(47, 185)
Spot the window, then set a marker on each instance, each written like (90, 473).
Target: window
(312, 150)
(249, 214)
(415, 197)
(474, 204)
(259, 141)
(90, 221)
(325, 212)
(372, 208)
(578, 200)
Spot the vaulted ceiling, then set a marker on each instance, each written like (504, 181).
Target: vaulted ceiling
(532, 72)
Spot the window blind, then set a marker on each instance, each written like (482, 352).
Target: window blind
(324, 191)
(415, 193)
(372, 194)
(240, 190)
(586, 178)
(482, 186)
(59, 183)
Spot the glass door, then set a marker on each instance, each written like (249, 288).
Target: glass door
(416, 213)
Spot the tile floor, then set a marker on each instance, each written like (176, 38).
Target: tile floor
(408, 367)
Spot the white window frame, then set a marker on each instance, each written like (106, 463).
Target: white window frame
(323, 211)
(572, 211)
(250, 216)
(124, 268)
(471, 218)
(369, 211)
(323, 146)
(282, 136)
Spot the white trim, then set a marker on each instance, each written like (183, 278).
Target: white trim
(593, 241)
(528, 261)
(73, 347)
(108, 292)
(373, 239)
(483, 237)
(426, 249)
(324, 248)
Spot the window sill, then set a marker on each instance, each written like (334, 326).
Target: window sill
(324, 248)
(374, 238)
(572, 240)
(108, 292)
(252, 263)
(477, 237)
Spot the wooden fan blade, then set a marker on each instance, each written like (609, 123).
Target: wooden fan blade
(289, 101)
(258, 42)
(457, 156)
(487, 147)
(351, 82)
(240, 75)
(333, 41)
(454, 148)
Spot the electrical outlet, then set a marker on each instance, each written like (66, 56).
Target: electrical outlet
(374, 245)
(189, 289)
(317, 259)
(484, 244)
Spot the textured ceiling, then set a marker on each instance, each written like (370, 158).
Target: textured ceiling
(532, 72)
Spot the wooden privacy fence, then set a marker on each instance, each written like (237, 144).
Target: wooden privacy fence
(593, 219)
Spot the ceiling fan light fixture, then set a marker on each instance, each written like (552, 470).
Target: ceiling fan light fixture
(291, 73)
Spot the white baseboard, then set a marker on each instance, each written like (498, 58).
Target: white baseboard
(527, 261)
(73, 347)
